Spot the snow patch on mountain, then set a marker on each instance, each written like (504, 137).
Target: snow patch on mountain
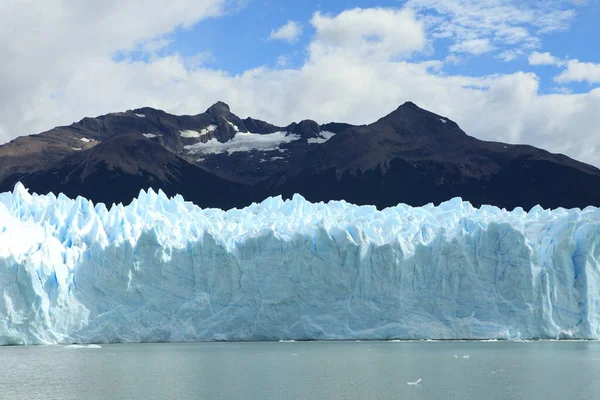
(150, 135)
(323, 137)
(234, 126)
(196, 134)
(243, 141)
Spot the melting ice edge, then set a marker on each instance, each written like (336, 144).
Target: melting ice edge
(162, 269)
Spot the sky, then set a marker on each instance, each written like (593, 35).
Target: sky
(505, 70)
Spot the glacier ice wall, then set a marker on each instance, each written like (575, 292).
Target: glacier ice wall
(163, 269)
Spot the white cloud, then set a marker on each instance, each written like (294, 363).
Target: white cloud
(509, 55)
(156, 45)
(357, 70)
(290, 32)
(506, 24)
(199, 59)
(536, 58)
(282, 61)
(473, 46)
(381, 33)
(50, 48)
(578, 71)
(453, 59)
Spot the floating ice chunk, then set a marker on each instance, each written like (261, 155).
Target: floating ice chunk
(150, 135)
(466, 356)
(415, 383)
(85, 140)
(82, 346)
(76, 148)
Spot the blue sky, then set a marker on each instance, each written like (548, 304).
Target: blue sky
(240, 41)
(505, 70)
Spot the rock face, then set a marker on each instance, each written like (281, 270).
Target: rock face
(216, 159)
(165, 270)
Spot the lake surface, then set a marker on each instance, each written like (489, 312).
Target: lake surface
(304, 370)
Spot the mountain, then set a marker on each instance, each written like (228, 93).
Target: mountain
(217, 159)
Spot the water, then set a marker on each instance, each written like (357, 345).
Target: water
(317, 370)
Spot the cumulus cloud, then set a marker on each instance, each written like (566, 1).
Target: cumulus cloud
(358, 68)
(381, 33)
(536, 58)
(509, 55)
(578, 71)
(473, 46)
(50, 48)
(290, 32)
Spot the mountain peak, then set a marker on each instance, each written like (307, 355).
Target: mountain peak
(410, 105)
(411, 111)
(306, 128)
(219, 108)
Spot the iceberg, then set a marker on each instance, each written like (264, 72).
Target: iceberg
(162, 269)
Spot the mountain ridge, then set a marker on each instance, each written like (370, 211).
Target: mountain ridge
(410, 155)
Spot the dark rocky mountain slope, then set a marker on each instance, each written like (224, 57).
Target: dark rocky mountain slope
(217, 159)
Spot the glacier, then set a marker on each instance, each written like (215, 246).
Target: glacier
(162, 269)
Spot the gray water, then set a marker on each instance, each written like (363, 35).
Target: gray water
(315, 370)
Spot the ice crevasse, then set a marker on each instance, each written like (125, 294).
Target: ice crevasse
(163, 269)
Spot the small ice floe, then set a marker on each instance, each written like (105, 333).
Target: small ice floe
(150, 135)
(82, 346)
(85, 140)
(466, 356)
(76, 148)
(455, 356)
(294, 354)
(415, 383)
(286, 341)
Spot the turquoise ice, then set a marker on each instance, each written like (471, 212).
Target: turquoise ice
(162, 269)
